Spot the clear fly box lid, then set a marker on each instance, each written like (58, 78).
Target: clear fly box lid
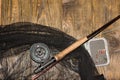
(98, 49)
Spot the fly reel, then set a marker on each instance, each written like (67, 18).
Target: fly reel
(40, 53)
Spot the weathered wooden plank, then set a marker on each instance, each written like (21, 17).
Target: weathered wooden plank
(25, 11)
(6, 7)
(50, 8)
(15, 11)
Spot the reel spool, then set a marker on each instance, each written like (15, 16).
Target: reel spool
(40, 53)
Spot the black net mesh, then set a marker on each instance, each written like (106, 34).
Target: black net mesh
(18, 37)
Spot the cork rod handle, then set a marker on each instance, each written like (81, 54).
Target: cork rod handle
(70, 48)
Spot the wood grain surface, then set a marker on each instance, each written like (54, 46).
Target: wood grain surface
(77, 18)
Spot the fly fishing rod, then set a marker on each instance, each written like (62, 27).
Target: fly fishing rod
(58, 57)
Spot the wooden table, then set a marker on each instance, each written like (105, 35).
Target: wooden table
(77, 18)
